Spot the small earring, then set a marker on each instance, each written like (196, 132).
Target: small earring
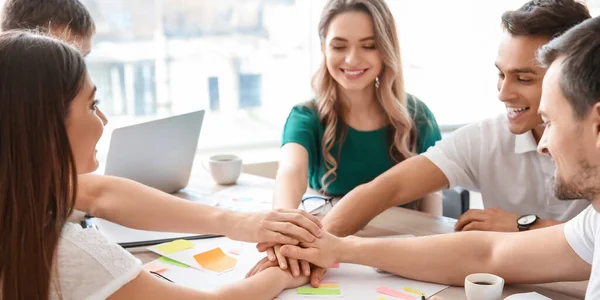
(377, 81)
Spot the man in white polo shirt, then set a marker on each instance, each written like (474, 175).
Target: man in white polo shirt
(570, 108)
(496, 156)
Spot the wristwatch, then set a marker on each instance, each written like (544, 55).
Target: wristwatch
(525, 221)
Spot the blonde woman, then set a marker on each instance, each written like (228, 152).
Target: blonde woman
(361, 122)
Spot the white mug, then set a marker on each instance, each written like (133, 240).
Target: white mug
(483, 286)
(225, 169)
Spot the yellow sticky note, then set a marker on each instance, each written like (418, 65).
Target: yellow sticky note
(215, 260)
(175, 246)
(413, 291)
(382, 298)
(332, 286)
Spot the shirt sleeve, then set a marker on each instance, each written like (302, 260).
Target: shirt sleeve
(301, 128)
(580, 233)
(90, 266)
(458, 156)
(428, 131)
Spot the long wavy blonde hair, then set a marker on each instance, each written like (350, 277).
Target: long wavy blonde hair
(390, 92)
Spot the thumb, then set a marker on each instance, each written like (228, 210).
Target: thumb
(316, 276)
(298, 253)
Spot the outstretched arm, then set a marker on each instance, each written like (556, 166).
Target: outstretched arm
(135, 205)
(266, 285)
(407, 181)
(537, 256)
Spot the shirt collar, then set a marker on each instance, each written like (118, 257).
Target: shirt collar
(525, 143)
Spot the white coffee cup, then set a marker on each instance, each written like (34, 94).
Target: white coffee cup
(225, 169)
(483, 286)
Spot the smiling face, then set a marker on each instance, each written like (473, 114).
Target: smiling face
(85, 125)
(572, 142)
(350, 51)
(520, 80)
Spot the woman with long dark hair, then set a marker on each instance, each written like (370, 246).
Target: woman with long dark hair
(49, 128)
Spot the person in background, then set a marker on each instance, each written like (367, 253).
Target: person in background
(495, 156)
(570, 110)
(361, 122)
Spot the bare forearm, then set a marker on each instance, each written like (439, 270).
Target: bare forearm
(446, 262)
(542, 223)
(289, 188)
(137, 206)
(525, 257)
(265, 285)
(355, 210)
(405, 182)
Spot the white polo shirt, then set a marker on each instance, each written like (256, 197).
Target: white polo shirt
(506, 169)
(582, 233)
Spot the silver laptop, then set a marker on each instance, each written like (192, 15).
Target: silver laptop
(158, 153)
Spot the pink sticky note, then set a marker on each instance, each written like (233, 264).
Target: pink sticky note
(235, 251)
(152, 267)
(387, 291)
(336, 266)
(329, 283)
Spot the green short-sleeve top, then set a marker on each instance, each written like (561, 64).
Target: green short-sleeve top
(364, 154)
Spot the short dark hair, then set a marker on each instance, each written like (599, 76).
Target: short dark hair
(580, 72)
(549, 18)
(47, 14)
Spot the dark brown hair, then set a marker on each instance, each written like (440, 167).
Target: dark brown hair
(39, 78)
(580, 71)
(548, 18)
(48, 14)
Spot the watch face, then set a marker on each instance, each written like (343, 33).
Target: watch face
(526, 220)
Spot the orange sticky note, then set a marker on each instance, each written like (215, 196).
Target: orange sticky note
(152, 267)
(215, 260)
(175, 246)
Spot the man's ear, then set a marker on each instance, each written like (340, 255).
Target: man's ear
(595, 118)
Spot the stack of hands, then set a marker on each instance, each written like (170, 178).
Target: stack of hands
(297, 246)
(295, 242)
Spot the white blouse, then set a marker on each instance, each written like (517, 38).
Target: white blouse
(90, 266)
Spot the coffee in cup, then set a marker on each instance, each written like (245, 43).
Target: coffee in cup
(484, 286)
(225, 169)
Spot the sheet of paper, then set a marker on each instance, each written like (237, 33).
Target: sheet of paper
(527, 296)
(187, 256)
(253, 198)
(215, 260)
(197, 278)
(175, 246)
(124, 235)
(362, 282)
(358, 281)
